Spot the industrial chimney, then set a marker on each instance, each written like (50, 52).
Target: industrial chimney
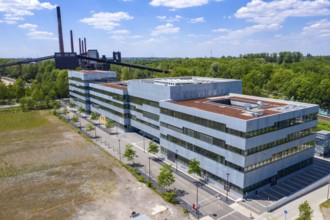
(60, 34)
(71, 37)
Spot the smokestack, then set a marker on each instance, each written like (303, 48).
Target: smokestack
(85, 45)
(60, 34)
(79, 46)
(71, 37)
(82, 46)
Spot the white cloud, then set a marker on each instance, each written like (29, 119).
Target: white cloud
(275, 12)
(28, 26)
(161, 17)
(120, 32)
(178, 3)
(320, 29)
(169, 19)
(197, 20)
(42, 35)
(16, 10)
(221, 30)
(106, 20)
(165, 29)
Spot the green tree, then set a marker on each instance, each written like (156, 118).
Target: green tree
(153, 148)
(81, 110)
(19, 88)
(129, 152)
(194, 167)
(109, 123)
(94, 116)
(305, 211)
(65, 111)
(75, 119)
(90, 127)
(166, 177)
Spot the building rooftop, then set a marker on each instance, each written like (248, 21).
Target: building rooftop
(184, 80)
(93, 71)
(117, 85)
(242, 106)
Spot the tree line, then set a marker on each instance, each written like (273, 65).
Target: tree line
(284, 75)
(36, 86)
(287, 75)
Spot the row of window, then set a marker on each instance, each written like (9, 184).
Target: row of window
(222, 127)
(204, 137)
(86, 88)
(221, 143)
(119, 105)
(141, 101)
(75, 93)
(211, 155)
(98, 106)
(118, 97)
(280, 155)
(133, 117)
(290, 137)
(281, 173)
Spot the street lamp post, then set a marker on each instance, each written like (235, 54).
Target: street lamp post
(176, 160)
(197, 201)
(119, 150)
(285, 212)
(227, 186)
(328, 190)
(149, 167)
(144, 144)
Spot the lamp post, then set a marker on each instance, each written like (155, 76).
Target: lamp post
(144, 144)
(227, 186)
(119, 150)
(149, 167)
(176, 160)
(197, 201)
(328, 190)
(285, 212)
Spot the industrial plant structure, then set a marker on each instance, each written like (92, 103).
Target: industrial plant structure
(242, 142)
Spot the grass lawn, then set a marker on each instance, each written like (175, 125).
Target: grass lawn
(21, 120)
(323, 126)
(325, 209)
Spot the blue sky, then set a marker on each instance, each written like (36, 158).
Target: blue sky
(167, 28)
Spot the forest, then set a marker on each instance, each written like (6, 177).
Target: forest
(36, 87)
(287, 75)
(284, 75)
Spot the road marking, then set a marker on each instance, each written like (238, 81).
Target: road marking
(226, 215)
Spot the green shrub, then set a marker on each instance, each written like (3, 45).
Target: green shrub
(169, 197)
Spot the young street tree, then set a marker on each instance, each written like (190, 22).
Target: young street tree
(109, 123)
(165, 177)
(153, 148)
(194, 167)
(94, 116)
(81, 110)
(75, 119)
(305, 211)
(129, 153)
(90, 127)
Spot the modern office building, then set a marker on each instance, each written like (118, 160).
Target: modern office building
(245, 142)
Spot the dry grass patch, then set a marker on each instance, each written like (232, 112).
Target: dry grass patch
(46, 170)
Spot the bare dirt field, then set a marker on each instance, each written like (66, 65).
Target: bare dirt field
(48, 171)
